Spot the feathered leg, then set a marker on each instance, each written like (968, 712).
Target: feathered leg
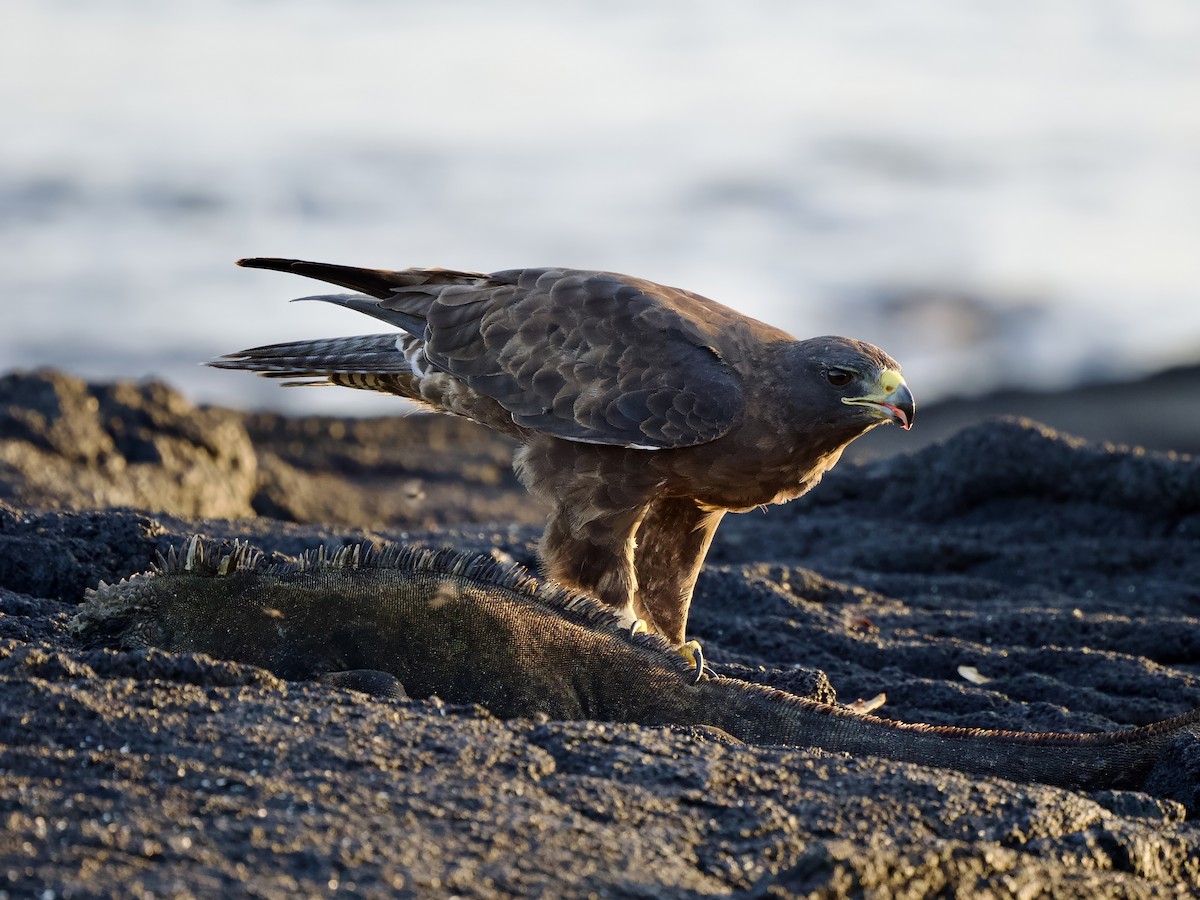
(594, 559)
(672, 541)
(596, 503)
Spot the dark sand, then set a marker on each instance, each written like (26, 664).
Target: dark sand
(1066, 573)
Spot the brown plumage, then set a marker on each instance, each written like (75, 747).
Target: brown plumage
(644, 412)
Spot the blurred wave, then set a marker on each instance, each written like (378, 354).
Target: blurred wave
(998, 194)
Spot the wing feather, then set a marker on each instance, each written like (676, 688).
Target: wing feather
(586, 356)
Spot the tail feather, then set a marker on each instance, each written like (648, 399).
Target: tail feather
(412, 323)
(378, 283)
(371, 362)
(400, 298)
(391, 363)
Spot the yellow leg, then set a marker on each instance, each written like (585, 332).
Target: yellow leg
(694, 653)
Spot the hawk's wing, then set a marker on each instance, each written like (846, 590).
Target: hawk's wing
(586, 356)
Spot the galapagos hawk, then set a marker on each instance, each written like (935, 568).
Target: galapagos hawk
(644, 412)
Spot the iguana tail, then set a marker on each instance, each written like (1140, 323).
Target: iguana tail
(1113, 759)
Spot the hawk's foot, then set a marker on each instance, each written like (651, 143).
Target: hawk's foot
(694, 653)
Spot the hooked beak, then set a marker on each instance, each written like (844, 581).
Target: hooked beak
(892, 401)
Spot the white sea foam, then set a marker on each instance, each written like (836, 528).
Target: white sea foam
(995, 193)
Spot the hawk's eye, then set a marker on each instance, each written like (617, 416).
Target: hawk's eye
(839, 377)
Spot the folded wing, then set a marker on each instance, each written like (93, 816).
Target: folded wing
(586, 356)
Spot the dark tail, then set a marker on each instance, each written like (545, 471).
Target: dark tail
(1113, 759)
(372, 361)
(378, 283)
(400, 298)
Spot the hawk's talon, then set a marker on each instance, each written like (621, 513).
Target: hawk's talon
(638, 627)
(694, 653)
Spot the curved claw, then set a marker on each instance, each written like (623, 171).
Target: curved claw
(638, 627)
(694, 653)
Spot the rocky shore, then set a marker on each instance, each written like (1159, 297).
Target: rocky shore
(1004, 576)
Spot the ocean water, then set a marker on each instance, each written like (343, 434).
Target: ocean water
(996, 193)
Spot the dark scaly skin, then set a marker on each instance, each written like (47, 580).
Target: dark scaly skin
(471, 631)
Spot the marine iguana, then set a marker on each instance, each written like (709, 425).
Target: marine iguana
(469, 630)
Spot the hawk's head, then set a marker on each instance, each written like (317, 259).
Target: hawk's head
(838, 380)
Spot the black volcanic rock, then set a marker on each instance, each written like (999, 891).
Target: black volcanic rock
(1063, 573)
(67, 444)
